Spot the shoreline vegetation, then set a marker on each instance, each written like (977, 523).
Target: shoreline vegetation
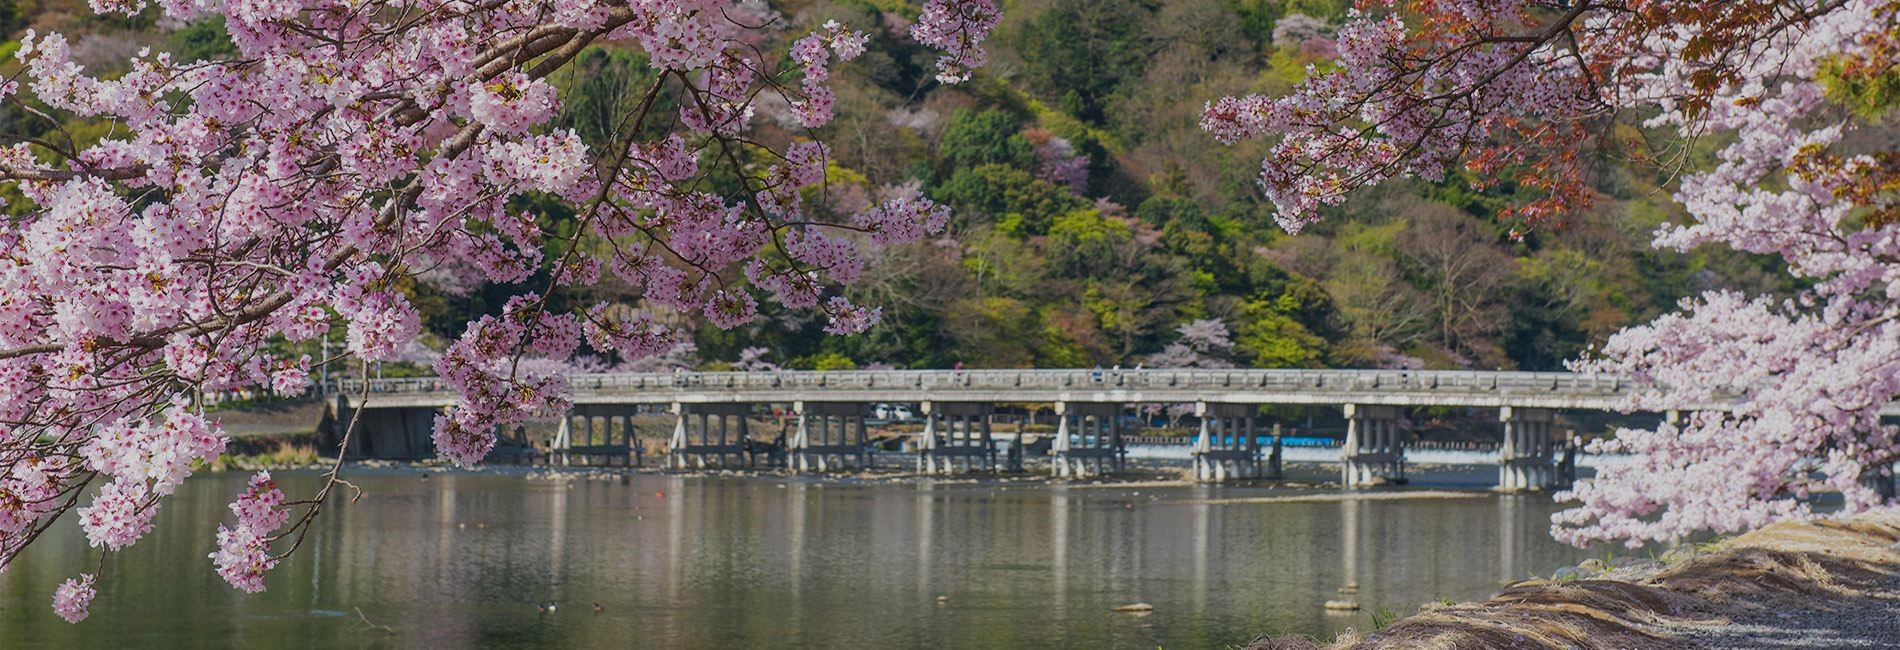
(1826, 583)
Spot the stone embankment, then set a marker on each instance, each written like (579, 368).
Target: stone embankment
(1820, 584)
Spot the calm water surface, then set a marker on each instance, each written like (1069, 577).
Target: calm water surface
(463, 559)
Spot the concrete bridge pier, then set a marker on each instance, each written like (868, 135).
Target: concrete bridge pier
(1228, 446)
(588, 434)
(708, 432)
(1374, 452)
(1094, 445)
(1527, 461)
(1276, 467)
(1568, 449)
(962, 443)
(830, 436)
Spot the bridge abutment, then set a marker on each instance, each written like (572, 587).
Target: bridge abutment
(830, 436)
(1228, 446)
(398, 433)
(962, 443)
(708, 434)
(1094, 445)
(1527, 460)
(1374, 452)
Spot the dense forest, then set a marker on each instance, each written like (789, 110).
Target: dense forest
(1096, 224)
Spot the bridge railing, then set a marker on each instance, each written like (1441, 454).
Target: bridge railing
(1436, 381)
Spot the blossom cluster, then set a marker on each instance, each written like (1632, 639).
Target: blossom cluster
(1417, 119)
(243, 553)
(958, 27)
(72, 600)
(814, 110)
(143, 462)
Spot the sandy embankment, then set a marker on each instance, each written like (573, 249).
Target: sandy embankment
(1820, 584)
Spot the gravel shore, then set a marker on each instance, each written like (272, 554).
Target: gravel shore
(1819, 584)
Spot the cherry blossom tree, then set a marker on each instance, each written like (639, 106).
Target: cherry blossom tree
(1518, 90)
(752, 359)
(1204, 343)
(347, 147)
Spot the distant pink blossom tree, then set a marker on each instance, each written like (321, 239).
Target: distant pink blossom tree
(1516, 89)
(345, 148)
(752, 359)
(1204, 343)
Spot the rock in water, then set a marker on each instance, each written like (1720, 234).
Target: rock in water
(1136, 608)
(1342, 605)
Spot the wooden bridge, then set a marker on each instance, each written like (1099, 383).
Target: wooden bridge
(711, 408)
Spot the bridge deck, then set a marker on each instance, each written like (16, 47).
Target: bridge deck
(1389, 387)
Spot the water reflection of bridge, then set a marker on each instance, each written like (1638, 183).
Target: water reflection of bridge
(711, 412)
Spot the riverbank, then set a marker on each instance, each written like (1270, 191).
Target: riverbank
(1819, 584)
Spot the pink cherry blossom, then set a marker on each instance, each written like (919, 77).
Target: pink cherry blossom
(511, 103)
(337, 159)
(243, 553)
(119, 515)
(958, 27)
(291, 379)
(848, 319)
(73, 599)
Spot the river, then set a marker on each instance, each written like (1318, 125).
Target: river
(467, 559)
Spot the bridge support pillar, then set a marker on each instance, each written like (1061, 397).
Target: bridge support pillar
(1094, 445)
(1228, 446)
(596, 432)
(1276, 468)
(1526, 462)
(1568, 449)
(708, 432)
(957, 438)
(830, 436)
(1374, 452)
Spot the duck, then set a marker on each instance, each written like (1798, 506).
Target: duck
(598, 609)
(547, 607)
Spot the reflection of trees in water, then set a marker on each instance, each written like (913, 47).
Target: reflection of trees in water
(727, 563)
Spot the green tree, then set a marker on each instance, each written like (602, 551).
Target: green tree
(603, 89)
(1018, 203)
(1082, 51)
(1271, 338)
(986, 137)
(825, 361)
(204, 39)
(1082, 243)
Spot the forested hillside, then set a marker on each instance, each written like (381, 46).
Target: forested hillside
(1095, 223)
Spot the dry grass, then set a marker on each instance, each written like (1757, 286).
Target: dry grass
(1802, 575)
(270, 453)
